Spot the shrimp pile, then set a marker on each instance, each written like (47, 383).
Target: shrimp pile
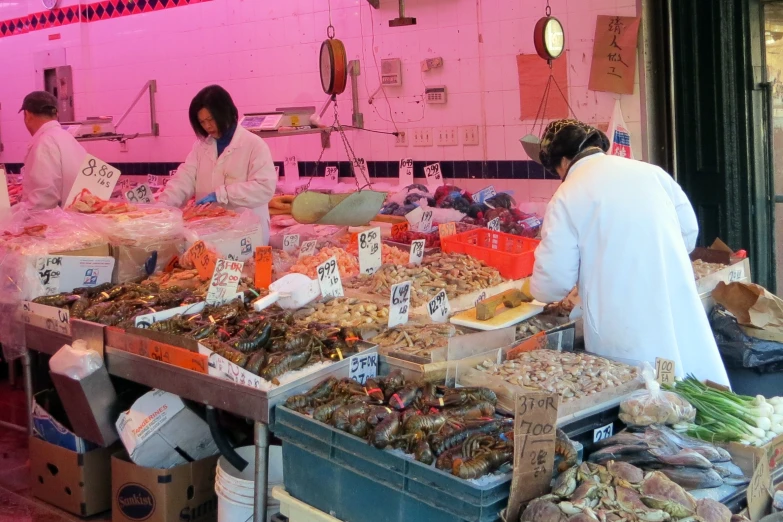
(389, 255)
(348, 264)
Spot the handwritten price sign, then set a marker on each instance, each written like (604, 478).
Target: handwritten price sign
(417, 252)
(203, 259)
(49, 269)
(406, 171)
(363, 367)
(399, 304)
(225, 280)
(308, 248)
(263, 259)
(447, 229)
(434, 175)
(291, 169)
(494, 224)
(664, 371)
(140, 194)
(370, 250)
(290, 243)
(425, 225)
(331, 175)
(439, 308)
(329, 278)
(360, 171)
(96, 176)
(399, 229)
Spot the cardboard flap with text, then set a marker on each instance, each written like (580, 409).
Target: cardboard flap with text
(754, 307)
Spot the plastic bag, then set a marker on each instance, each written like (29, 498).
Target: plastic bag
(234, 237)
(76, 361)
(739, 350)
(146, 224)
(655, 406)
(619, 137)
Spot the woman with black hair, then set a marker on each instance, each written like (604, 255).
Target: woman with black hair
(227, 165)
(622, 230)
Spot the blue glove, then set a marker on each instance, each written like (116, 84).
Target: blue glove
(209, 198)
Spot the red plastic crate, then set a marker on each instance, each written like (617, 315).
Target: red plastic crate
(513, 256)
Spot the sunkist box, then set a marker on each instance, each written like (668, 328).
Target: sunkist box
(185, 493)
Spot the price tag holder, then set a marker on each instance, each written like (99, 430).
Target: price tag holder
(417, 252)
(399, 304)
(49, 269)
(399, 229)
(484, 194)
(263, 259)
(96, 176)
(602, 433)
(332, 176)
(360, 171)
(363, 366)
(494, 224)
(308, 248)
(225, 280)
(140, 194)
(758, 494)
(434, 175)
(329, 278)
(291, 169)
(664, 371)
(447, 229)
(425, 225)
(290, 243)
(370, 250)
(534, 448)
(204, 260)
(439, 308)
(406, 172)
(736, 274)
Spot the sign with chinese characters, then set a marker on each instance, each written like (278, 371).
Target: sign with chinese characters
(614, 54)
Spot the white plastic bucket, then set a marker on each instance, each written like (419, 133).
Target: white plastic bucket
(236, 489)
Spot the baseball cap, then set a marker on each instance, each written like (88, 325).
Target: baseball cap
(39, 102)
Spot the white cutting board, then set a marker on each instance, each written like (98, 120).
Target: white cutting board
(509, 317)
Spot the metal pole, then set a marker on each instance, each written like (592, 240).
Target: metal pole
(27, 375)
(261, 432)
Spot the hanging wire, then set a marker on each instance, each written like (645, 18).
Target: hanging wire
(330, 27)
(548, 9)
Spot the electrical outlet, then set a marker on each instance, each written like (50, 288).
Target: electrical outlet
(422, 137)
(448, 136)
(401, 140)
(470, 135)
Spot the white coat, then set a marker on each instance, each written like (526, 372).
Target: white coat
(622, 230)
(243, 176)
(50, 168)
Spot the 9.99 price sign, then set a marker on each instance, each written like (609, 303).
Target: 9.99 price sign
(399, 304)
(329, 278)
(225, 279)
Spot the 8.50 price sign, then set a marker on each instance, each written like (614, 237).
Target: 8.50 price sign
(370, 250)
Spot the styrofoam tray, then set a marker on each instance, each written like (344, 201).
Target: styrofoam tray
(504, 319)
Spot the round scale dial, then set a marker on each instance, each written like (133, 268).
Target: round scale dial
(49, 4)
(334, 66)
(549, 38)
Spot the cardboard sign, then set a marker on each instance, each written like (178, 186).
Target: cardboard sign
(203, 259)
(49, 318)
(360, 170)
(225, 280)
(290, 243)
(370, 250)
(664, 371)
(140, 194)
(329, 278)
(291, 169)
(447, 229)
(406, 172)
(417, 252)
(399, 303)
(263, 259)
(438, 307)
(434, 175)
(64, 273)
(96, 176)
(758, 494)
(534, 76)
(308, 248)
(363, 366)
(399, 229)
(614, 54)
(534, 448)
(484, 194)
(332, 176)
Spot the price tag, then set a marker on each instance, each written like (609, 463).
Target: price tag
(203, 259)
(152, 180)
(406, 172)
(447, 229)
(49, 269)
(263, 259)
(759, 498)
(481, 297)
(331, 175)
(96, 176)
(484, 194)
(399, 304)
(414, 216)
(329, 278)
(425, 225)
(360, 171)
(308, 248)
(439, 308)
(49, 318)
(225, 280)
(434, 175)
(277, 170)
(664, 371)
(370, 250)
(291, 169)
(290, 243)
(605, 432)
(417, 252)
(737, 274)
(534, 448)
(140, 194)
(363, 366)
(399, 229)
(494, 224)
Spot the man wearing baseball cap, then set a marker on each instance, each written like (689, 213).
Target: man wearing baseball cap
(53, 156)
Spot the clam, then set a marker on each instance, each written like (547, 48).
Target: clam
(712, 511)
(542, 511)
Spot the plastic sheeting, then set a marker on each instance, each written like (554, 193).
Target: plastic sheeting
(740, 350)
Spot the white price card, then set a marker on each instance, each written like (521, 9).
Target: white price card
(494, 224)
(225, 278)
(602, 433)
(439, 308)
(370, 250)
(331, 175)
(140, 194)
(360, 170)
(290, 243)
(277, 170)
(414, 217)
(5, 201)
(329, 278)
(399, 304)
(363, 366)
(425, 225)
(49, 269)
(96, 176)
(291, 169)
(406, 172)
(240, 249)
(481, 297)
(308, 248)
(434, 175)
(737, 274)
(484, 194)
(417, 251)
(49, 318)
(153, 180)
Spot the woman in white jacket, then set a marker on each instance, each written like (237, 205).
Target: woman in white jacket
(622, 230)
(227, 165)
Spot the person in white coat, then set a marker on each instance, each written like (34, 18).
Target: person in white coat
(621, 230)
(53, 157)
(228, 165)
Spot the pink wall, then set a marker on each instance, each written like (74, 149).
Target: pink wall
(265, 53)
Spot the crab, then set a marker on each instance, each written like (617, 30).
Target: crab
(623, 473)
(658, 492)
(712, 511)
(542, 511)
(565, 484)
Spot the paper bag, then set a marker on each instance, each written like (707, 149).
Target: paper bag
(756, 309)
(619, 137)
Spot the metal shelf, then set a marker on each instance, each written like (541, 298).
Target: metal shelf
(300, 132)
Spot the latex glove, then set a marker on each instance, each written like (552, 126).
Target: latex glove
(209, 198)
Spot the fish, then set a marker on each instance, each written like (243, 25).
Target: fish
(685, 457)
(693, 478)
(685, 442)
(624, 438)
(641, 458)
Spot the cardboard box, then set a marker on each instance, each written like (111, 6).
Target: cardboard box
(46, 409)
(182, 493)
(99, 250)
(130, 260)
(75, 482)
